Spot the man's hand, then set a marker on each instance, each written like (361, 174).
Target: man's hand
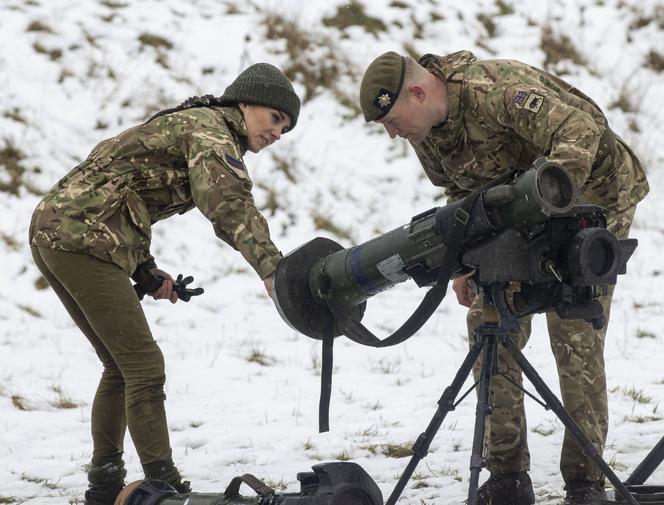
(165, 291)
(269, 285)
(464, 293)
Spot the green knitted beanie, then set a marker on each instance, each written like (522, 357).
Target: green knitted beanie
(264, 84)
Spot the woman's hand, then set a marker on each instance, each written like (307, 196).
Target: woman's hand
(165, 291)
(269, 285)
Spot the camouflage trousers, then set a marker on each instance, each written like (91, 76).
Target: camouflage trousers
(579, 355)
(102, 302)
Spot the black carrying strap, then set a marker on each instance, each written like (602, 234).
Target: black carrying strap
(233, 489)
(326, 385)
(357, 332)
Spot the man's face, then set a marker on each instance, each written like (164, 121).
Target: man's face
(407, 120)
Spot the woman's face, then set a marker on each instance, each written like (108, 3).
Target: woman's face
(264, 125)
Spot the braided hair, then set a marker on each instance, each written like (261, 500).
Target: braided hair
(191, 102)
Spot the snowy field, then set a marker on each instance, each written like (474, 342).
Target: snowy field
(242, 387)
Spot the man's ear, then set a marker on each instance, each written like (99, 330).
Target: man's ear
(417, 92)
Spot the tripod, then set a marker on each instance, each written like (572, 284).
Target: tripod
(487, 338)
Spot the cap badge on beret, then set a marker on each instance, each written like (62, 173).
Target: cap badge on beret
(384, 99)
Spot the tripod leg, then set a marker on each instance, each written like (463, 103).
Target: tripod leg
(445, 405)
(552, 401)
(648, 465)
(482, 410)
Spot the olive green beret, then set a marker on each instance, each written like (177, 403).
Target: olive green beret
(381, 85)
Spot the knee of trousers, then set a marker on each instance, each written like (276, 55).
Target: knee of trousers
(145, 378)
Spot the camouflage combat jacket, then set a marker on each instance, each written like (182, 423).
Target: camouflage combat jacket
(192, 158)
(504, 114)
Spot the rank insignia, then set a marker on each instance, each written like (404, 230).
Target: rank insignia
(534, 102)
(234, 162)
(384, 100)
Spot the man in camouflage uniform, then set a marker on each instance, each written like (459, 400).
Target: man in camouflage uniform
(92, 231)
(469, 122)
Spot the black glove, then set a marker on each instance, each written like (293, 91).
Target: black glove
(181, 289)
(147, 283)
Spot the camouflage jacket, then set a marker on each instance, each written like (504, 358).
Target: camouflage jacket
(504, 114)
(192, 158)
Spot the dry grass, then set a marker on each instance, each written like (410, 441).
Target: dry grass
(10, 241)
(11, 164)
(353, 14)
(38, 26)
(624, 102)
(325, 223)
(161, 46)
(313, 59)
(655, 60)
(63, 400)
(559, 48)
(489, 25)
(259, 357)
(504, 8)
(21, 403)
(15, 115)
(151, 40)
(53, 54)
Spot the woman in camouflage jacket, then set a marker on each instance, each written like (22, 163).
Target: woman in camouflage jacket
(91, 232)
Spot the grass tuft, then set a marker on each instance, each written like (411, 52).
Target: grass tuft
(353, 14)
(488, 23)
(259, 357)
(624, 102)
(53, 54)
(634, 394)
(342, 456)
(21, 403)
(655, 61)
(152, 40)
(558, 48)
(504, 8)
(31, 311)
(38, 26)
(316, 74)
(325, 223)
(63, 401)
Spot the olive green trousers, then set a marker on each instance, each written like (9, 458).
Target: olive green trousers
(102, 302)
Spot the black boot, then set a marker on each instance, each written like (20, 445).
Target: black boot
(165, 471)
(506, 489)
(105, 480)
(584, 493)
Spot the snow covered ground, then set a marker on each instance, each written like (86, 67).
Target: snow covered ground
(242, 387)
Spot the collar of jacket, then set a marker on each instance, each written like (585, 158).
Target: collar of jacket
(235, 121)
(450, 69)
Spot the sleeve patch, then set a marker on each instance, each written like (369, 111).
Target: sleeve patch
(520, 98)
(235, 163)
(533, 102)
(529, 101)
